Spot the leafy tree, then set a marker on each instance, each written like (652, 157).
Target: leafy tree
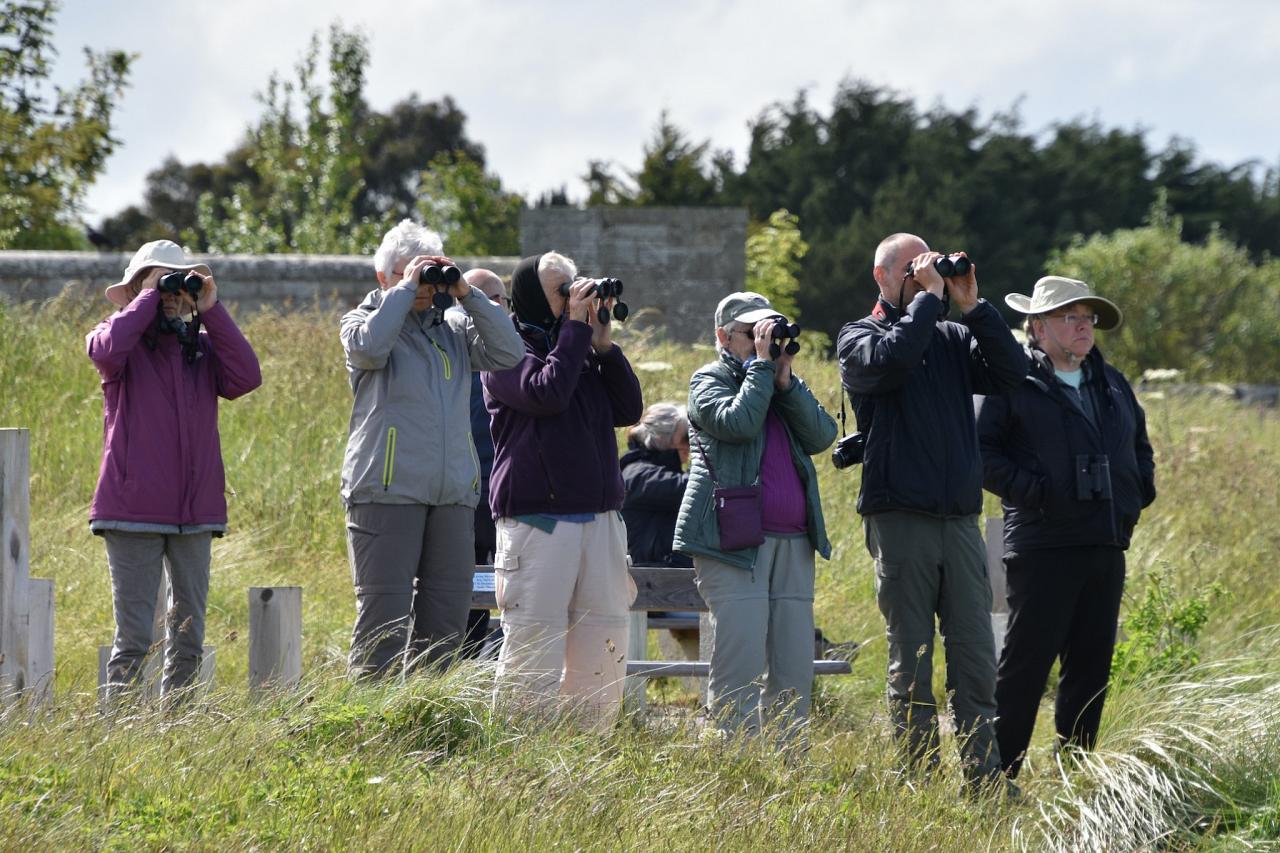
(307, 168)
(674, 172)
(1204, 309)
(50, 155)
(604, 187)
(774, 252)
(469, 207)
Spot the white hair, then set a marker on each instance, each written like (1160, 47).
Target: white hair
(659, 426)
(404, 243)
(556, 262)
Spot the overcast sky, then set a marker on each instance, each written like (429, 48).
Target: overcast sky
(546, 86)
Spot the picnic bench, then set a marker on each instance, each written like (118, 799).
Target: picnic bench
(667, 591)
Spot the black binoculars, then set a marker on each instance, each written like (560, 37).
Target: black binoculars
(606, 288)
(784, 331)
(1093, 477)
(441, 277)
(177, 281)
(948, 266)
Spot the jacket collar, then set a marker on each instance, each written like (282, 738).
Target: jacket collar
(735, 365)
(1042, 372)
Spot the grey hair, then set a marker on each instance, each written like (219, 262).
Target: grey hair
(887, 251)
(405, 242)
(659, 426)
(1027, 330)
(556, 262)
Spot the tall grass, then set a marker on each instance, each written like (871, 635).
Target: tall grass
(427, 765)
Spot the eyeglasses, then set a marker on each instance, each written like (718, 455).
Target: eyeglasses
(1070, 321)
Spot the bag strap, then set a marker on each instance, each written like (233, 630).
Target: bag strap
(705, 458)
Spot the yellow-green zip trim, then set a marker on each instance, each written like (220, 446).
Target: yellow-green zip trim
(475, 461)
(444, 356)
(389, 458)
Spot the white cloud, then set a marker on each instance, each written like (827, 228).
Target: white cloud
(548, 86)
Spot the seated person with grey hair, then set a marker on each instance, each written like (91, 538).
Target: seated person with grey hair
(411, 478)
(654, 478)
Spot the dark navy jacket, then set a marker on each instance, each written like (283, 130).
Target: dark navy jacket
(912, 377)
(1030, 440)
(655, 486)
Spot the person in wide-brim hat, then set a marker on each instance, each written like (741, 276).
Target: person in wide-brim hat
(1068, 454)
(162, 254)
(1054, 291)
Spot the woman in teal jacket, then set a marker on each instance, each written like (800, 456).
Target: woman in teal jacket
(756, 421)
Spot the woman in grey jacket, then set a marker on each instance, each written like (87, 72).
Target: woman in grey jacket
(410, 478)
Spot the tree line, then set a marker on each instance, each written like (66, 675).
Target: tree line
(321, 171)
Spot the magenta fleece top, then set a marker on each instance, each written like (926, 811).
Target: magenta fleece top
(161, 456)
(784, 502)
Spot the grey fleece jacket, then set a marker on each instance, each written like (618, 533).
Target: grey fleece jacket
(409, 440)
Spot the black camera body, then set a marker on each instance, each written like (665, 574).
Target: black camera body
(784, 331)
(177, 281)
(849, 450)
(606, 288)
(949, 266)
(1093, 477)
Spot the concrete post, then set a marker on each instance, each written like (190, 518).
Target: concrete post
(995, 573)
(275, 638)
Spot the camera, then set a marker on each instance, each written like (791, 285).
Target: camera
(606, 288)
(848, 450)
(177, 281)
(1093, 477)
(784, 331)
(948, 266)
(442, 277)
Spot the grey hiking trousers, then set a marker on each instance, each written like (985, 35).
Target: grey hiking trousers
(137, 562)
(411, 565)
(929, 567)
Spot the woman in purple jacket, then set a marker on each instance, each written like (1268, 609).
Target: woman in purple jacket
(560, 565)
(159, 499)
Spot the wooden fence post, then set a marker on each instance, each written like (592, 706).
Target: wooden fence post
(40, 640)
(995, 573)
(633, 691)
(15, 509)
(275, 638)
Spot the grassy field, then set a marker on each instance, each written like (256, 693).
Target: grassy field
(1186, 759)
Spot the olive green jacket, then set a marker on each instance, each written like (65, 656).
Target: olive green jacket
(728, 404)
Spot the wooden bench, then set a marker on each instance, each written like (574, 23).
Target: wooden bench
(666, 590)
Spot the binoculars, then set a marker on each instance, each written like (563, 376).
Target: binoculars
(784, 331)
(441, 277)
(949, 266)
(1093, 477)
(606, 288)
(178, 281)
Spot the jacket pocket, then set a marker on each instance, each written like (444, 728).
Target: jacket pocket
(389, 458)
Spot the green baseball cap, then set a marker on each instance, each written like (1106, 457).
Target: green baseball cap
(744, 307)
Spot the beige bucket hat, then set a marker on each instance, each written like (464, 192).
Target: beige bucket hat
(157, 253)
(1055, 291)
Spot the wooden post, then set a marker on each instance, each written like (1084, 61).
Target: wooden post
(15, 517)
(996, 575)
(706, 637)
(275, 638)
(40, 640)
(633, 692)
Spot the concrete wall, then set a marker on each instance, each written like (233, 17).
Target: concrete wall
(247, 281)
(676, 263)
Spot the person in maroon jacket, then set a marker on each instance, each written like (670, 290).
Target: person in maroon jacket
(560, 566)
(160, 494)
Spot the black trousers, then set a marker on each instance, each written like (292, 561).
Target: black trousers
(1063, 604)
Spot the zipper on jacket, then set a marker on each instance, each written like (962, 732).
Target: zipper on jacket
(475, 461)
(389, 458)
(444, 358)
